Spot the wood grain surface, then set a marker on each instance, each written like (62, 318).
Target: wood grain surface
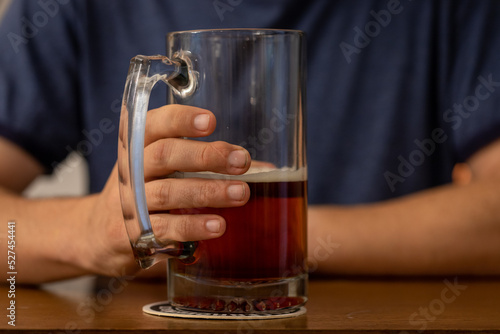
(453, 305)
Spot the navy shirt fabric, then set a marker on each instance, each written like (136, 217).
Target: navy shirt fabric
(397, 91)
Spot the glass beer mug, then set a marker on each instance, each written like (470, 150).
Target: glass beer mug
(253, 80)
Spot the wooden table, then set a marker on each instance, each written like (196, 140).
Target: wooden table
(455, 305)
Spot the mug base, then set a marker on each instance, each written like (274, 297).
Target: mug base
(228, 297)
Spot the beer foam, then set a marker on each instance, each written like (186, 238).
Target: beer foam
(254, 174)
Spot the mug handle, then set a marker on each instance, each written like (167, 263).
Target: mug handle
(144, 72)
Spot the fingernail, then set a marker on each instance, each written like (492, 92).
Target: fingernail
(213, 226)
(236, 192)
(238, 159)
(201, 122)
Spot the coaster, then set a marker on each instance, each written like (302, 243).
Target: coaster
(164, 309)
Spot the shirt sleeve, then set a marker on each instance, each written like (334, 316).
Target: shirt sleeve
(471, 111)
(39, 105)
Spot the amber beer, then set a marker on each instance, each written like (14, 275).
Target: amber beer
(265, 240)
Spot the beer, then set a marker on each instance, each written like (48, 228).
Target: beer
(264, 241)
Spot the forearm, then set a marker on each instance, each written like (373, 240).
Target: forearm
(447, 230)
(48, 236)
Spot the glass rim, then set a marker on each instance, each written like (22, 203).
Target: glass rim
(250, 31)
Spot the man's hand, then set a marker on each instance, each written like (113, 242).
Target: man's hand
(165, 153)
(61, 238)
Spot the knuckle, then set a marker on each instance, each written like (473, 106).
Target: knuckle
(160, 151)
(183, 227)
(175, 227)
(161, 226)
(221, 148)
(215, 152)
(204, 194)
(205, 156)
(161, 194)
(176, 118)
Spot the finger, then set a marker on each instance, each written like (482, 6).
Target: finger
(178, 121)
(166, 194)
(174, 154)
(187, 227)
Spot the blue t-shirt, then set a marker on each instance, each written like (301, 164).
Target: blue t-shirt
(397, 91)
